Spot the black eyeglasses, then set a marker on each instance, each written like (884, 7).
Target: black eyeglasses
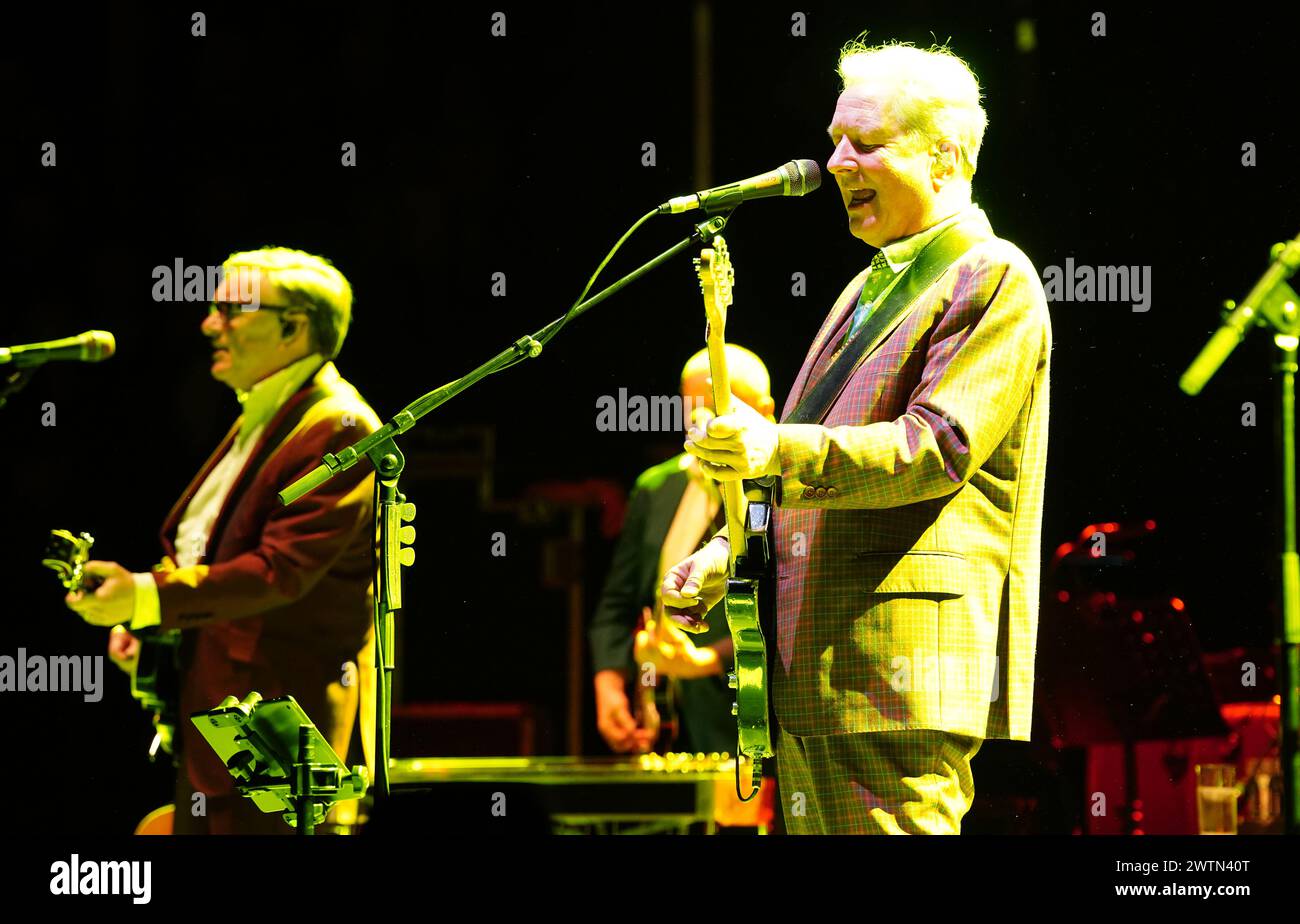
(226, 309)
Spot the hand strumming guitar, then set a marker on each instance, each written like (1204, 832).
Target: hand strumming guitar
(123, 648)
(694, 585)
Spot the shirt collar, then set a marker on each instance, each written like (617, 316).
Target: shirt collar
(900, 253)
(266, 397)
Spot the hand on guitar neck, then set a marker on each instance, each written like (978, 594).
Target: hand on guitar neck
(614, 717)
(736, 445)
(111, 602)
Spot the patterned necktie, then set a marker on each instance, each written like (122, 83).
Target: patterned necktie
(878, 279)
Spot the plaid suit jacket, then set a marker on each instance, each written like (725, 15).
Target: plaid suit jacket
(908, 521)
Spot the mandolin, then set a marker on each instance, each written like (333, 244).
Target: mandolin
(654, 698)
(155, 676)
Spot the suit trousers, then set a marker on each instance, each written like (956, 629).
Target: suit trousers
(898, 782)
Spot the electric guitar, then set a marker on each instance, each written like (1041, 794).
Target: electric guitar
(155, 677)
(748, 508)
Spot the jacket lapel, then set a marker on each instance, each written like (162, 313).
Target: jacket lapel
(173, 519)
(273, 434)
(970, 225)
(819, 354)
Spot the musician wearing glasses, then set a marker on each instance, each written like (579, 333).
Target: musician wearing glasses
(267, 598)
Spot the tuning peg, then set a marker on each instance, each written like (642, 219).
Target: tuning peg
(406, 556)
(407, 512)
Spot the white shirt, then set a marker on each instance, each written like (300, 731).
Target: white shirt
(260, 404)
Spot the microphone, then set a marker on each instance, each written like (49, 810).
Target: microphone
(1261, 300)
(797, 178)
(90, 347)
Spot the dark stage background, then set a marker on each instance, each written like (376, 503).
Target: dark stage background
(523, 155)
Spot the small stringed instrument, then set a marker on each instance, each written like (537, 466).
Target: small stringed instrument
(155, 678)
(655, 697)
(748, 509)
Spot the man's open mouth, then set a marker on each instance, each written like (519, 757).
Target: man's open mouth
(861, 197)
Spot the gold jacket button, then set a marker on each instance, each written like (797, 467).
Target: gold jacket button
(821, 492)
(810, 492)
(832, 492)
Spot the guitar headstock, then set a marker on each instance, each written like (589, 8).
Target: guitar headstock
(717, 279)
(65, 554)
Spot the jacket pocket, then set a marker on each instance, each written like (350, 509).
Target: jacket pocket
(942, 574)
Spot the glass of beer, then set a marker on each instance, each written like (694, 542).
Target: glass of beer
(1216, 798)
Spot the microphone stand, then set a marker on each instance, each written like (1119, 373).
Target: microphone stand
(391, 510)
(1289, 618)
(1274, 303)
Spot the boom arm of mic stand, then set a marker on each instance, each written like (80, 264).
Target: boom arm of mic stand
(380, 448)
(526, 347)
(1265, 303)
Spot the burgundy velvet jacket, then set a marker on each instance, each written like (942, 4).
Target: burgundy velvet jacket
(281, 602)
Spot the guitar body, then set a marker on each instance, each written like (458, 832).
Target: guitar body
(749, 678)
(160, 821)
(156, 683)
(748, 509)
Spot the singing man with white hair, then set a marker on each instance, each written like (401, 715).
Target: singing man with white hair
(908, 470)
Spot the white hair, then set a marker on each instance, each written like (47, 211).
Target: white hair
(934, 94)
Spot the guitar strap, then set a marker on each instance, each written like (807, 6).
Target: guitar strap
(926, 269)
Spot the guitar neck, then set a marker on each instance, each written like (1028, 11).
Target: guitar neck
(733, 494)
